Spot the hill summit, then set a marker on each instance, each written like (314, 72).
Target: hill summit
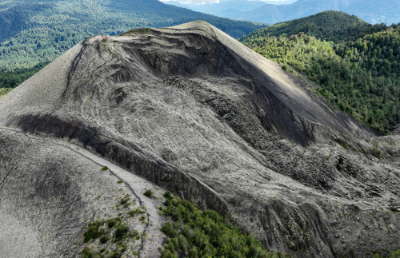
(191, 110)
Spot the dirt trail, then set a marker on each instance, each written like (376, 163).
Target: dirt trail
(137, 185)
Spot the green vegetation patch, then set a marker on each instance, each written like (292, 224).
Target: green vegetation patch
(149, 193)
(4, 91)
(113, 222)
(11, 79)
(394, 254)
(360, 78)
(124, 200)
(121, 232)
(138, 31)
(111, 237)
(375, 152)
(93, 231)
(333, 26)
(108, 232)
(196, 233)
(137, 211)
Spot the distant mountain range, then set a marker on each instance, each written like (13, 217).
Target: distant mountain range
(372, 11)
(224, 6)
(38, 31)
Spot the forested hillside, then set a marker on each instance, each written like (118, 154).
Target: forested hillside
(33, 31)
(333, 26)
(12, 79)
(361, 77)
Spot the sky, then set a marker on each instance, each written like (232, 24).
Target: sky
(217, 1)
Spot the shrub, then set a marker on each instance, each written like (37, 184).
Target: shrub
(134, 233)
(395, 254)
(136, 211)
(174, 241)
(213, 215)
(92, 233)
(177, 215)
(187, 231)
(103, 239)
(172, 245)
(167, 202)
(124, 200)
(115, 254)
(284, 67)
(169, 230)
(168, 195)
(105, 168)
(188, 205)
(121, 232)
(86, 253)
(208, 251)
(168, 254)
(113, 222)
(183, 243)
(193, 253)
(149, 193)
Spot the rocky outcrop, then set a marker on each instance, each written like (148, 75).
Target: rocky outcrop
(194, 111)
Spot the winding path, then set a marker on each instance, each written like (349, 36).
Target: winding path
(138, 185)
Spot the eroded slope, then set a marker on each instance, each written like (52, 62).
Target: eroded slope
(194, 111)
(50, 190)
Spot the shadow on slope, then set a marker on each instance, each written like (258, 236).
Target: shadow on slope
(196, 112)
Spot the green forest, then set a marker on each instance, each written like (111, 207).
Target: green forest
(35, 32)
(196, 233)
(361, 77)
(332, 26)
(11, 79)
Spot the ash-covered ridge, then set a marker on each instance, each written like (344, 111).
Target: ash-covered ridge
(196, 112)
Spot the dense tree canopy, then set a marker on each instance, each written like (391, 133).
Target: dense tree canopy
(196, 233)
(361, 78)
(330, 26)
(11, 79)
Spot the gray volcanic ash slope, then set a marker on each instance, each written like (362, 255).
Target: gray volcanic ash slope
(195, 112)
